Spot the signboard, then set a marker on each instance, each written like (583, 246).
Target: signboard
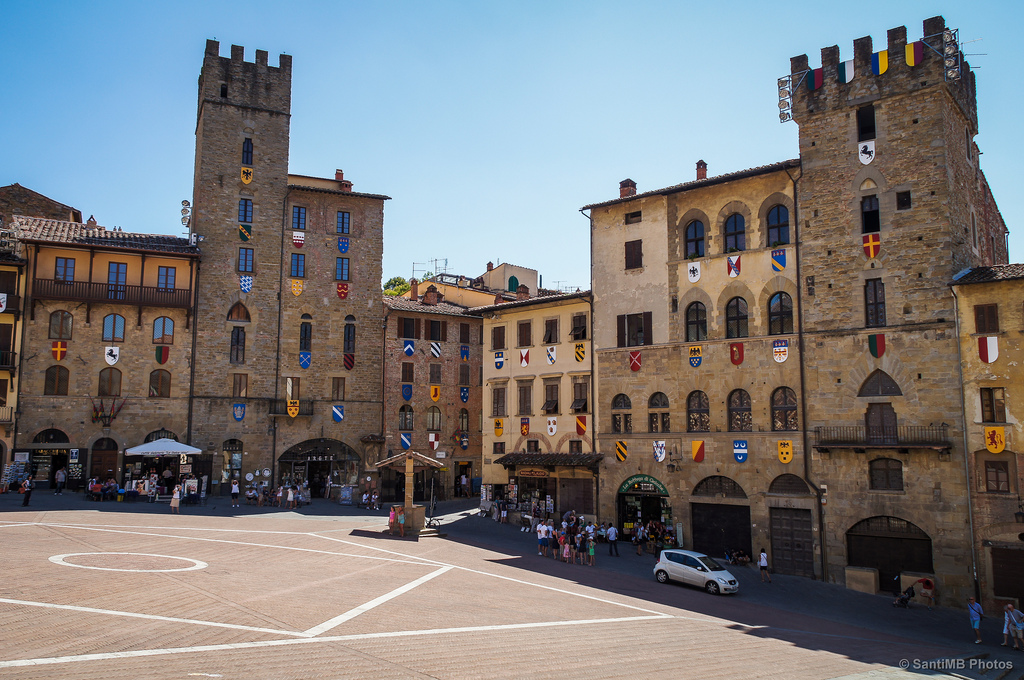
(185, 469)
(531, 472)
(73, 456)
(643, 484)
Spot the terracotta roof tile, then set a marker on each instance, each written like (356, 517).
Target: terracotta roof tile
(999, 272)
(564, 459)
(406, 305)
(539, 300)
(35, 229)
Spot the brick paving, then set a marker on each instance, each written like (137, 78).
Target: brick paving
(322, 592)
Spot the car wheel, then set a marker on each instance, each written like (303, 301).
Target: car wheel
(711, 587)
(661, 576)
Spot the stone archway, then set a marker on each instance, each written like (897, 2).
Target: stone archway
(322, 464)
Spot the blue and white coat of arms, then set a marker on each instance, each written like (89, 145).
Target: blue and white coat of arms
(238, 411)
(406, 439)
(305, 359)
(409, 347)
(343, 244)
(338, 412)
(499, 359)
(464, 394)
(739, 450)
(407, 392)
(245, 283)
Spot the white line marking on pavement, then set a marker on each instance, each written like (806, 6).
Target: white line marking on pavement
(352, 613)
(151, 617)
(196, 564)
(16, 663)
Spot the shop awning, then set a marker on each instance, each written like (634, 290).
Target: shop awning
(420, 462)
(560, 459)
(162, 447)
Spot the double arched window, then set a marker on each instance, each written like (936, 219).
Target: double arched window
(696, 322)
(780, 314)
(657, 413)
(735, 233)
(695, 239)
(160, 384)
(110, 383)
(434, 419)
(784, 409)
(736, 318)
(740, 419)
(621, 422)
(698, 412)
(405, 417)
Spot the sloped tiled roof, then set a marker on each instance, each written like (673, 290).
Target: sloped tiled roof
(324, 190)
(38, 230)
(539, 300)
(563, 459)
(400, 303)
(998, 272)
(719, 179)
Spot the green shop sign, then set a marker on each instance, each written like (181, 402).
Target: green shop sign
(643, 484)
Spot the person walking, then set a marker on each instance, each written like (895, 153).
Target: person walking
(26, 490)
(613, 540)
(542, 539)
(975, 614)
(1013, 626)
(639, 537)
(762, 561)
(176, 499)
(60, 477)
(234, 492)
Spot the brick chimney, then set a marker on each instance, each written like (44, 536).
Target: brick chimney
(414, 289)
(430, 297)
(702, 170)
(339, 176)
(490, 266)
(522, 292)
(498, 299)
(627, 187)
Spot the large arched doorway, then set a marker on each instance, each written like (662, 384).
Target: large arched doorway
(103, 461)
(792, 530)
(320, 463)
(641, 499)
(718, 527)
(50, 451)
(891, 545)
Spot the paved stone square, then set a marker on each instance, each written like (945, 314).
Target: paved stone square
(92, 593)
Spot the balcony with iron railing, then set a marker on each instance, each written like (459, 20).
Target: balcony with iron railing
(86, 291)
(279, 407)
(883, 437)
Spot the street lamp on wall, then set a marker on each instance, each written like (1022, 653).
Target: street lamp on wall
(1019, 515)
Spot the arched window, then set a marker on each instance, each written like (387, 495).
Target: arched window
(434, 419)
(464, 420)
(718, 485)
(698, 412)
(513, 284)
(160, 384)
(784, 409)
(51, 436)
(788, 485)
(350, 334)
(163, 433)
(113, 328)
(61, 325)
(56, 381)
(110, 383)
(405, 418)
(740, 419)
(247, 151)
(238, 312)
(778, 226)
(237, 355)
(780, 314)
(886, 474)
(163, 331)
(305, 335)
(736, 318)
(696, 322)
(879, 384)
(695, 239)
(621, 422)
(657, 415)
(735, 233)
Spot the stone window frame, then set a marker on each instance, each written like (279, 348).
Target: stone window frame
(658, 418)
(524, 397)
(740, 409)
(161, 336)
(886, 474)
(993, 403)
(160, 384)
(109, 384)
(56, 381)
(622, 422)
(338, 388)
(696, 407)
(406, 417)
(299, 217)
(785, 417)
(696, 328)
(780, 317)
(737, 319)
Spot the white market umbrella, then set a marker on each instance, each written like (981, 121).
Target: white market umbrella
(162, 447)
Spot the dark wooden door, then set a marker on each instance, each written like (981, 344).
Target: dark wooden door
(717, 528)
(881, 424)
(1007, 570)
(792, 544)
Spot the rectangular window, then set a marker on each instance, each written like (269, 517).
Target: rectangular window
(464, 374)
(874, 303)
(903, 200)
(986, 318)
(245, 210)
(343, 222)
(245, 259)
(634, 217)
(117, 277)
(579, 327)
(870, 221)
(525, 333)
(993, 405)
(997, 476)
(305, 336)
(165, 278)
(550, 331)
(247, 152)
(580, 394)
(532, 446)
(341, 269)
(298, 265)
(632, 329)
(435, 374)
(408, 372)
(65, 269)
(498, 401)
(550, 397)
(438, 330)
(292, 388)
(634, 254)
(338, 389)
(239, 385)
(622, 423)
(865, 123)
(498, 448)
(575, 446)
(498, 337)
(298, 217)
(525, 398)
(237, 355)
(464, 333)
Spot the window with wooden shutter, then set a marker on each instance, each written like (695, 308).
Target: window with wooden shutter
(986, 318)
(525, 333)
(634, 254)
(498, 337)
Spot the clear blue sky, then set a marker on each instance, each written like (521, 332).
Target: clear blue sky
(489, 123)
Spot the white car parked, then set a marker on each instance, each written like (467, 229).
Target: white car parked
(696, 569)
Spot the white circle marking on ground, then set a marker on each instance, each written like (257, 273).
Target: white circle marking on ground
(61, 560)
